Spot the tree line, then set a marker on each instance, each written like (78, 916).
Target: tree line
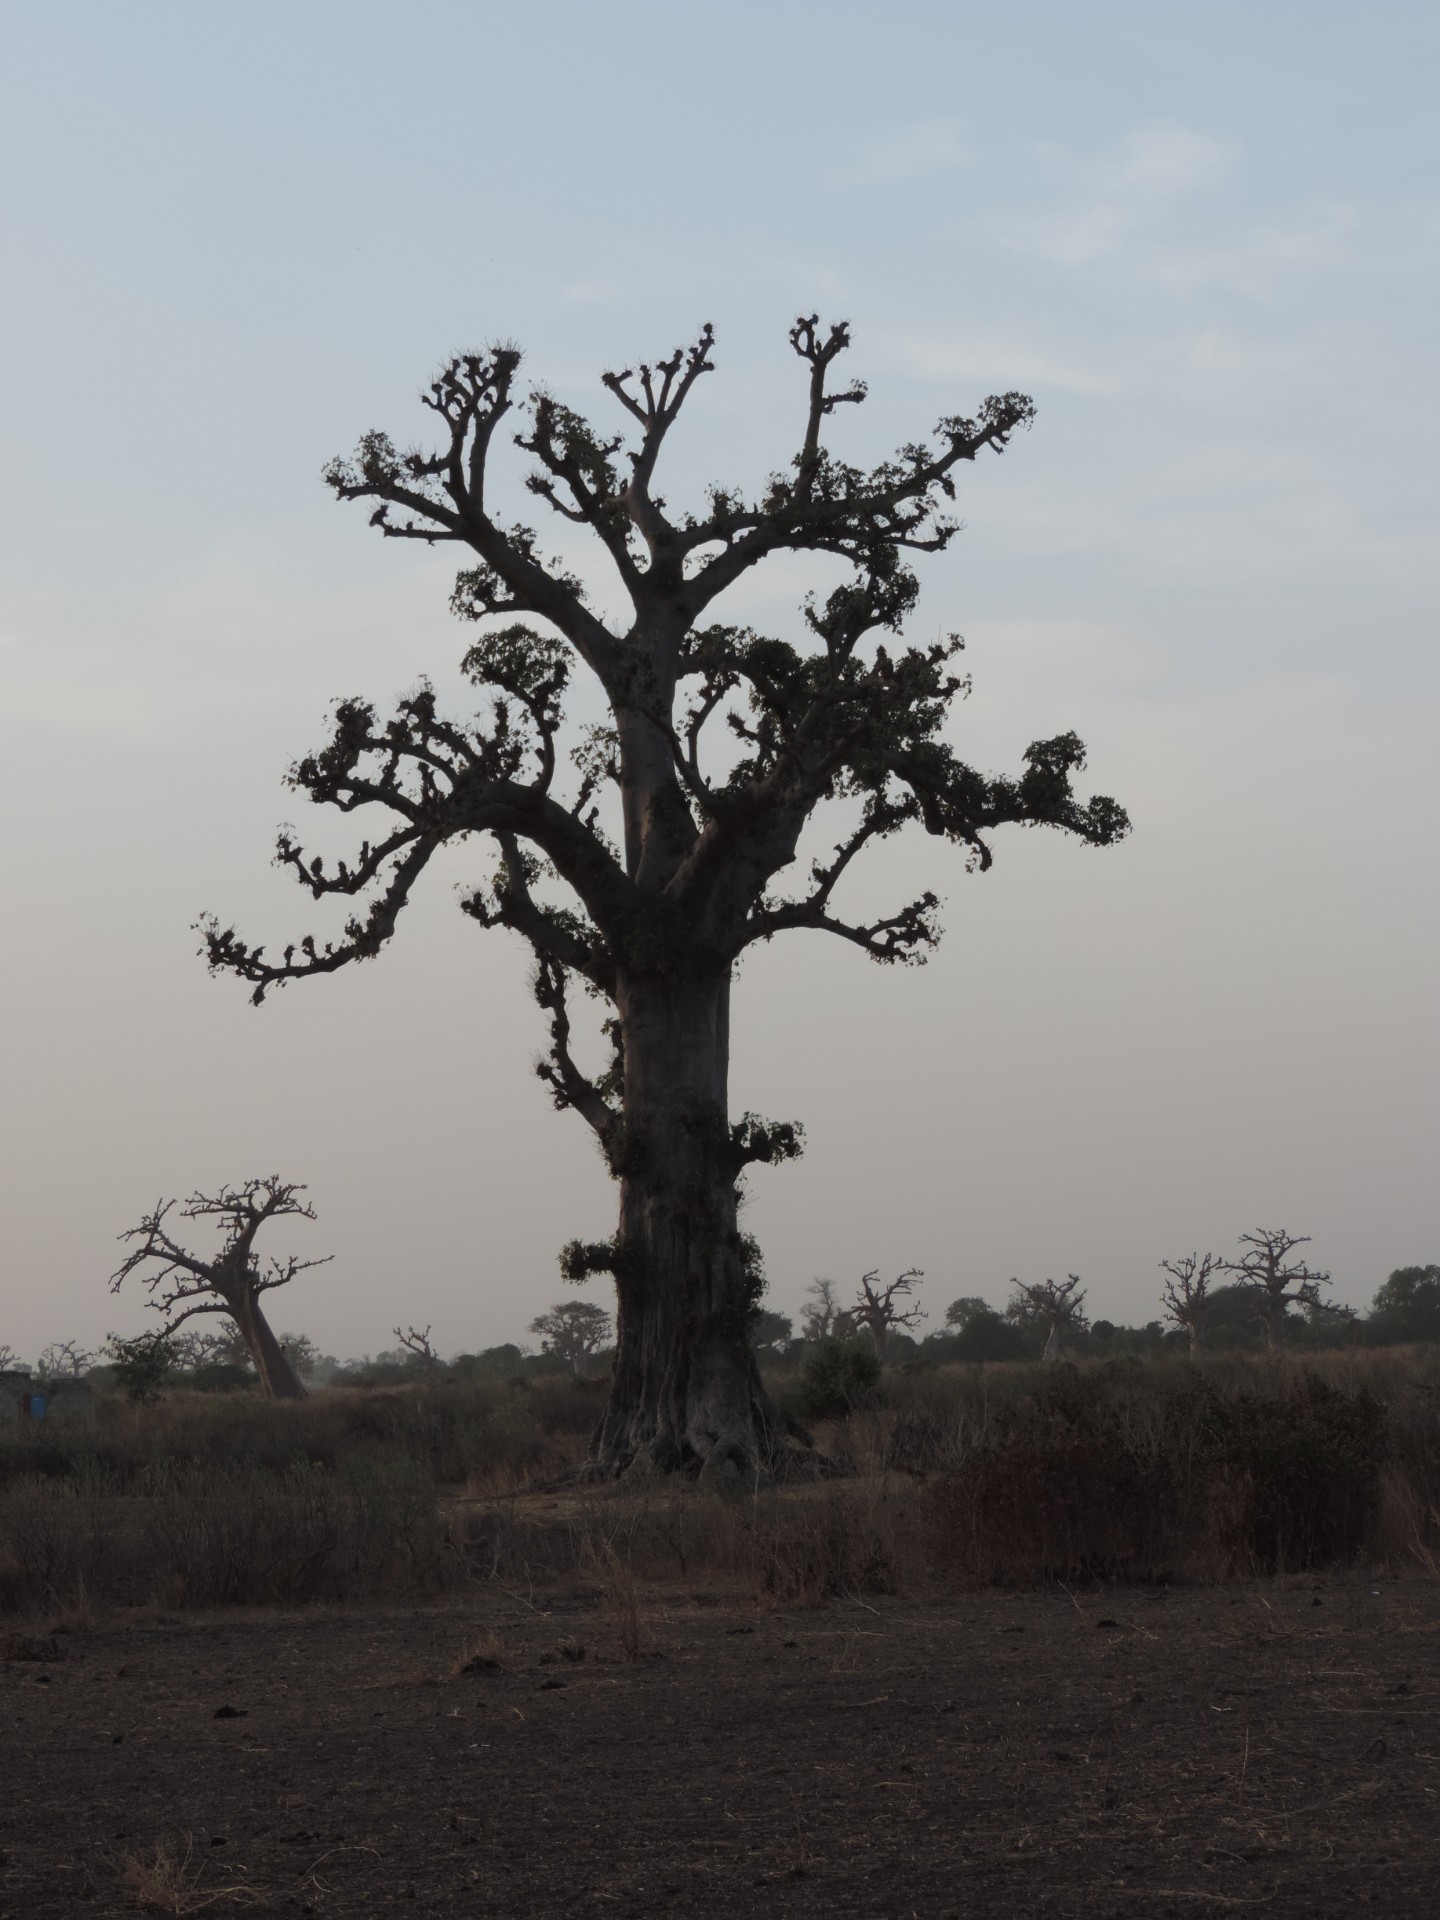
(1268, 1296)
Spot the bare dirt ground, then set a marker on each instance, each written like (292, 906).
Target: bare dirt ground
(1128, 1753)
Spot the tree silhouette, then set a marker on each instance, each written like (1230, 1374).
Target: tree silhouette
(65, 1360)
(573, 1330)
(417, 1342)
(823, 1316)
(1278, 1285)
(654, 926)
(880, 1308)
(183, 1284)
(1186, 1293)
(1055, 1306)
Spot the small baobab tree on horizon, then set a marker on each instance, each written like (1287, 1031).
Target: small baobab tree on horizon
(416, 1342)
(822, 1317)
(1186, 1293)
(231, 1282)
(1053, 1306)
(65, 1360)
(1279, 1282)
(880, 1308)
(574, 1331)
(642, 856)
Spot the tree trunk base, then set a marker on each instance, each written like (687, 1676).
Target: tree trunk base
(712, 1423)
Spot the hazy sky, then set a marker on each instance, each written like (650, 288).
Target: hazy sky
(1203, 237)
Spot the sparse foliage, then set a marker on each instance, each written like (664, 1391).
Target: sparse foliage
(1054, 1306)
(183, 1283)
(1186, 1293)
(654, 926)
(880, 1308)
(9, 1358)
(1279, 1282)
(142, 1365)
(573, 1330)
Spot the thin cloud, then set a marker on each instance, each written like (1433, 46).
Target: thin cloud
(1129, 192)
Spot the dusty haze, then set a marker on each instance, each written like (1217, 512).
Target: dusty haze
(234, 241)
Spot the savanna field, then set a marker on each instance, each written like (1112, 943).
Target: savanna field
(1132, 1637)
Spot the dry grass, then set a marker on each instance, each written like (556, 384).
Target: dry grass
(614, 1574)
(482, 1653)
(964, 1476)
(166, 1880)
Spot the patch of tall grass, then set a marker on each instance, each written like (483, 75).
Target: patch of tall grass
(962, 1475)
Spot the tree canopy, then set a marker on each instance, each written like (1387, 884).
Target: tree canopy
(719, 745)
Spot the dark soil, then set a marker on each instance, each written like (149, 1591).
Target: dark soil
(1127, 1753)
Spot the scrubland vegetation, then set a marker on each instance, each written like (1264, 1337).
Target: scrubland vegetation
(931, 1479)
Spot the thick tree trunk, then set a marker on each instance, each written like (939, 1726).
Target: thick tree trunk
(686, 1393)
(278, 1378)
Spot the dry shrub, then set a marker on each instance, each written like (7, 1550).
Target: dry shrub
(165, 1881)
(1084, 1477)
(619, 1596)
(482, 1653)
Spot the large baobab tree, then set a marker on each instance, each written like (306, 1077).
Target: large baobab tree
(1054, 1306)
(231, 1281)
(655, 925)
(880, 1308)
(1186, 1293)
(1279, 1282)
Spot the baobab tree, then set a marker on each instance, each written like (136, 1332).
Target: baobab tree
(573, 1330)
(1054, 1306)
(654, 926)
(1279, 1282)
(416, 1342)
(65, 1360)
(822, 1317)
(880, 1309)
(1187, 1291)
(232, 1282)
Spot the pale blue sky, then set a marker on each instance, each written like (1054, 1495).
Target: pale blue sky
(1203, 237)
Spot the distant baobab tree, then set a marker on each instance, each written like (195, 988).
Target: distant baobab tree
(1186, 1293)
(823, 1316)
(1279, 1283)
(416, 1342)
(573, 1330)
(654, 920)
(880, 1308)
(230, 1282)
(1055, 1306)
(65, 1360)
